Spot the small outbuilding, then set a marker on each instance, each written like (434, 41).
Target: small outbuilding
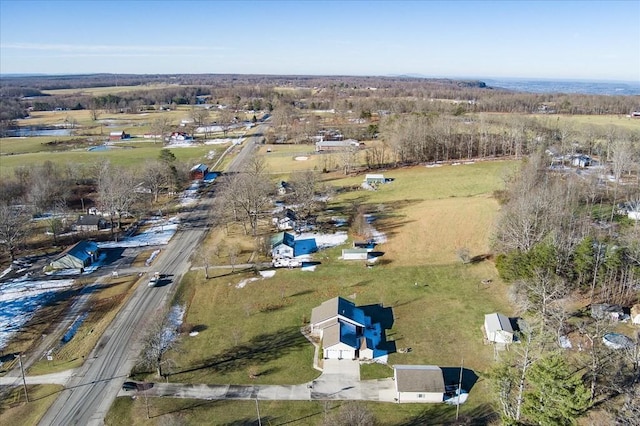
(607, 311)
(419, 383)
(374, 179)
(78, 256)
(89, 223)
(498, 328)
(198, 172)
(355, 254)
(635, 314)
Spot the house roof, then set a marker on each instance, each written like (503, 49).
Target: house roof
(307, 246)
(200, 168)
(337, 306)
(419, 378)
(89, 219)
(340, 332)
(282, 238)
(497, 322)
(82, 250)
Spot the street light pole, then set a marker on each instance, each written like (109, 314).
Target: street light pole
(24, 381)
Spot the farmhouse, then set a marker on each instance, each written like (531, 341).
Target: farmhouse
(285, 220)
(418, 383)
(89, 222)
(78, 256)
(284, 245)
(198, 172)
(346, 332)
(498, 328)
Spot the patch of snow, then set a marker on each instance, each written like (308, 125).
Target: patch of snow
(301, 158)
(267, 274)
(223, 141)
(565, 343)
(324, 241)
(243, 283)
(156, 235)
(211, 155)
(5, 272)
(193, 333)
(20, 299)
(151, 258)
(310, 268)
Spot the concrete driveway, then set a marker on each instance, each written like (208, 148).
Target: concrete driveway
(340, 380)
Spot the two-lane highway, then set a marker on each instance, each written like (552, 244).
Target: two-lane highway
(92, 390)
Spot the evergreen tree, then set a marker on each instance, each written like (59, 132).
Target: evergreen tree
(555, 395)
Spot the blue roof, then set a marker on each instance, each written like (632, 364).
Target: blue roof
(283, 238)
(83, 250)
(307, 246)
(349, 310)
(348, 335)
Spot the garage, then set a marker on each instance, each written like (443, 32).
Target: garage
(338, 353)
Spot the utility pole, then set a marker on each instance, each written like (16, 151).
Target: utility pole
(258, 410)
(459, 389)
(24, 381)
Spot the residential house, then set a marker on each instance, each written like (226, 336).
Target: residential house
(89, 223)
(284, 245)
(78, 256)
(498, 328)
(286, 219)
(418, 383)
(346, 332)
(581, 161)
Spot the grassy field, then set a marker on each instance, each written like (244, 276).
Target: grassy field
(97, 91)
(249, 326)
(14, 410)
(130, 155)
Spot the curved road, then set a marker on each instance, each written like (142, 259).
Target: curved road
(93, 387)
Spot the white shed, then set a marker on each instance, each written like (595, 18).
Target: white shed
(419, 383)
(355, 254)
(635, 314)
(498, 328)
(374, 178)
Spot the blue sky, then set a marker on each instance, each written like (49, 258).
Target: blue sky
(586, 40)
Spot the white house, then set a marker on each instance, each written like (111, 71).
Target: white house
(419, 383)
(498, 328)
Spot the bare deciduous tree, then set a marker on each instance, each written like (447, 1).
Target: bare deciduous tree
(13, 227)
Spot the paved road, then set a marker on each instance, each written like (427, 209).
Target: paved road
(91, 390)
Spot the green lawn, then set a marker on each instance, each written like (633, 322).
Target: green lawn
(437, 303)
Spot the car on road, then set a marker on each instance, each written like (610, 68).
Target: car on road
(129, 386)
(155, 279)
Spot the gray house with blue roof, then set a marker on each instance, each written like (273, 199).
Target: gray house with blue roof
(78, 256)
(346, 331)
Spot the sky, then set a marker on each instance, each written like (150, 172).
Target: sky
(572, 40)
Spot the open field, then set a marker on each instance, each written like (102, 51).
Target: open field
(250, 325)
(578, 121)
(129, 156)
(97, 91)
(15, 411)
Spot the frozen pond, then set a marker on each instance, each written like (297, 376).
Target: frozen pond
(23, 132)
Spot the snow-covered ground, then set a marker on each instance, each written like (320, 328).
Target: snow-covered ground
(20, 299)
(160, 234)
